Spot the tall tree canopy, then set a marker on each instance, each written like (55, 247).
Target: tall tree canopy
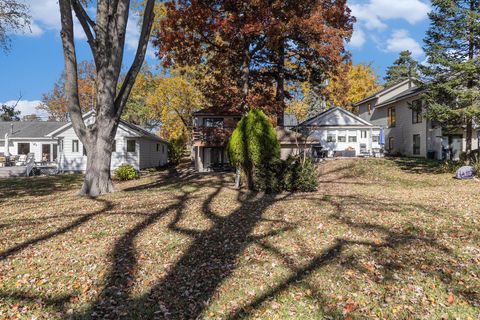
(106, 38)
(351, 84)
(452, 45)
(55, 101)
(403, 68)
(254, 48)
(14, 17)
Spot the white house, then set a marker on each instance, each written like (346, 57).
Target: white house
(56, 142)
(400, 110)
(341, 133)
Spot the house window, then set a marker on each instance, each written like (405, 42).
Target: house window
(363, 134)
(131, 146)
(392, 117)
(369, 108)
(375, 139)
(342, 139)
(163, 148)
(2, 143)
(74, 145)
(213, 122)
(352, 139)
(23, 148)
(84, 151)
(331, 138)
(417, 111)
(114, 146)
(391, 144)
(158, 147)
(416, 144)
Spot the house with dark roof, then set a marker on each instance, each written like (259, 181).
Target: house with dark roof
(56, 143)
(30, 137)
(400, 111)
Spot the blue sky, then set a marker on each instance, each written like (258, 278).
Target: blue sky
(35, 62)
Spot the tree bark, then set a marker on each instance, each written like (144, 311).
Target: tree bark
(470, 84)
(469, 136)
(280, 95)
(99, 153)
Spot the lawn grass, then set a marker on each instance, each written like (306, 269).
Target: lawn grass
(386, 239)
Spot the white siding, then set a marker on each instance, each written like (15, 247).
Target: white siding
(150, 157)
(35, 146)
(143, 157)
(322, 134)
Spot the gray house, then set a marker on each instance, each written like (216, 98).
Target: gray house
(399, 109)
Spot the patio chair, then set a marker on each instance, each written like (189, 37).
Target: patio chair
(22, 160)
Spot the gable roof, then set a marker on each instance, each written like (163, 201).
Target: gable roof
(336, 117)
(28, 129)
(383, 91)
(124, 124)
(403, 95)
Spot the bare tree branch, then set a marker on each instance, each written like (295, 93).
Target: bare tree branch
(71, 82)
(132, 73)
(87, 25)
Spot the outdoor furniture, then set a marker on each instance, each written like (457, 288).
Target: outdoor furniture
(22, 160)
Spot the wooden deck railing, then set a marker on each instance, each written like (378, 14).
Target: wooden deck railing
(212, 136)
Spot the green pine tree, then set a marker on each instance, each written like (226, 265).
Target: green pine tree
(403, 68)
(452, 45)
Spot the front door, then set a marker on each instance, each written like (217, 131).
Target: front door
(46, 153)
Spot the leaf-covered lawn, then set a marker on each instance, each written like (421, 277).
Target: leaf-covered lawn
(387, 239)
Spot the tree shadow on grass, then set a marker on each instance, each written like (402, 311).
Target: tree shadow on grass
(418, 165)
(107, 206)
(186, 290)
(37, 186)
(395, 240)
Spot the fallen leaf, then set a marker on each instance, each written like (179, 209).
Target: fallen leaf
(451, 298)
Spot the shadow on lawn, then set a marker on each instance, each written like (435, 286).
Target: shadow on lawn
(418, 165)
(37, 186)
(191, 283)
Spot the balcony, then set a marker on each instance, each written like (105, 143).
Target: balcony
(211, 136)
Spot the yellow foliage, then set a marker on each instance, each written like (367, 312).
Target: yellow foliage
(173, 101)
(351, 84)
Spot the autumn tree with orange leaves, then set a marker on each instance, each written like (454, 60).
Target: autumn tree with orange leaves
(54, 102)
(255, 48)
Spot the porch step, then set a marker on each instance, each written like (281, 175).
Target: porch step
(8, 172)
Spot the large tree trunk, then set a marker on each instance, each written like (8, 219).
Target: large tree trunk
(106, 37)
(98, 178)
